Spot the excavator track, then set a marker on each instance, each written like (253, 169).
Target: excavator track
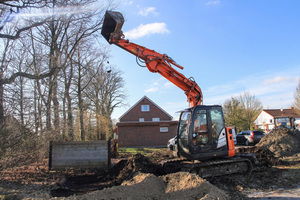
(211, 168)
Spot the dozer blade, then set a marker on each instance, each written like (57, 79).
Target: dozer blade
(112, 25)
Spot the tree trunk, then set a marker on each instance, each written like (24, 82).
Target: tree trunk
(64, 126)
(70, 118)
(48, 109)
(21, 101)
(1, 101)
(80, 104)
(55, 106)
(35, 104)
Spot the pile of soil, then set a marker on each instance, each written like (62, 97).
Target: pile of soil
(79, 183)
(181, 185)
(264, 156)
(137, 163)
(282, 142)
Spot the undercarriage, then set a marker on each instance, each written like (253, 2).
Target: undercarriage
(210, 168)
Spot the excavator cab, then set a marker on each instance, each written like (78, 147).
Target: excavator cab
(284, 122)
(202, 134)
(112, 25)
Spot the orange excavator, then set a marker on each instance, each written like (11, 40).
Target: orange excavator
(203, 143)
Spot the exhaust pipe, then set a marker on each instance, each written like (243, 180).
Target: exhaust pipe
(112, 25)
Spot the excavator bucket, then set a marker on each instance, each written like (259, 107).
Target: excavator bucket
(112, 25)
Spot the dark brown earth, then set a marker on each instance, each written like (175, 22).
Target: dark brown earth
(282, 142)
(134, 175)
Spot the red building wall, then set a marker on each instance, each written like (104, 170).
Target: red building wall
(145, 134)
(132, 133)
(135, 112)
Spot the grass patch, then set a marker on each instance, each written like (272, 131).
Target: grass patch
(143, 151)
(9, 197)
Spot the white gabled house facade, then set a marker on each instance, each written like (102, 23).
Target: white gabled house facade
(266, 119)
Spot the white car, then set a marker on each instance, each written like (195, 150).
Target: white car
(234, 135)
(171, 143)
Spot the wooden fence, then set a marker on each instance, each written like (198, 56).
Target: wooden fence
(87, 154)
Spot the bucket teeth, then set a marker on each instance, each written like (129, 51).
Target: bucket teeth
(112, 25)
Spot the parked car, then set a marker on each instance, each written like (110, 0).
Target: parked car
(249, 137)
(171, 143)
(234, 135)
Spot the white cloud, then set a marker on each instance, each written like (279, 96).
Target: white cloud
(146, 11)
(148, 29)
(128, 2)
(151, 89)
(60, 11)
(213, 3)
(160, 85)
(278, 79)
(168, 85)
(273, 92)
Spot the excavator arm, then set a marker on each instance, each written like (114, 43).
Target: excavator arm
(154, 61)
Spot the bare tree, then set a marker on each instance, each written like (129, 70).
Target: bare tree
(83, 61)
(296, 103)
(240, 112)
(8, 76)
(9, 10)
(233, 113)
(105, 92)
(251, 107)
(66, 25)
(62, 35)
(68, 130)
(44, 63)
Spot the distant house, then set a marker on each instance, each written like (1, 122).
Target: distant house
(145, 124)
(266, 119)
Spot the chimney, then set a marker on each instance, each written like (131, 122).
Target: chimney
(292, 108)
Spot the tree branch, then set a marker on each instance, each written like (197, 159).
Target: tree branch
(17, 35)
(26, 75)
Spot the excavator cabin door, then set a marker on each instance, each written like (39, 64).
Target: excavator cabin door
(202, 133)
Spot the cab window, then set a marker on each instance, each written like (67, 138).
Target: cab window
(184, 125)
(216, 121)
(200, 121)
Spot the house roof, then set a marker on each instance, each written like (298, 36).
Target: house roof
(283, 113)
(145, 97)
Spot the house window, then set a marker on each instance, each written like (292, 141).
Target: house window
(145, 108)
(155, 119)
(141, 119)
(164, 129)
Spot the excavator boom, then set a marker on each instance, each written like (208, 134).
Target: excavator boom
(154, 61)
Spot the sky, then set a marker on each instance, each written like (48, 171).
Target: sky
(229, 47)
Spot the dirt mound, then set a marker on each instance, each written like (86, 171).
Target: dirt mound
(282, 142)
(264, 156)
(96, 180)
(181, 185)
(127, 168)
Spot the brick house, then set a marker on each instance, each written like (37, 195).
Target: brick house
(266, 119)
(145, 124)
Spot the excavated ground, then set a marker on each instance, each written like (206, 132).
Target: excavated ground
(139, 177)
